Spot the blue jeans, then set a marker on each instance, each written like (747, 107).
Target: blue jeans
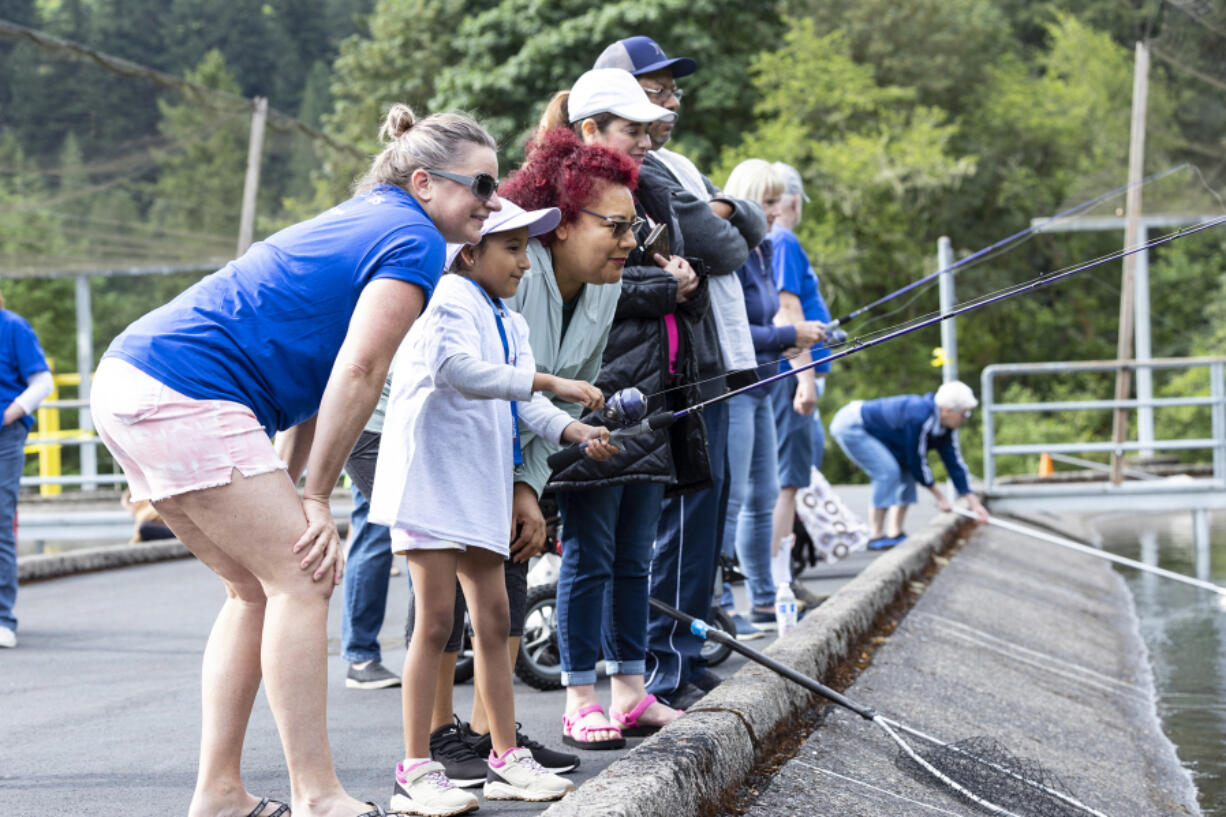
(12, 461)
(753, 489)
(602, 584)
(892, 484)
(367, 571)
(683, 565)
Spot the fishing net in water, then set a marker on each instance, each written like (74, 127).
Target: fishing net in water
(990, 772)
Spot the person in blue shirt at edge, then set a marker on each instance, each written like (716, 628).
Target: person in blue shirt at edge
(25, 381)
(890, 438)
(720, 231)
(294, 336)
(798, 423)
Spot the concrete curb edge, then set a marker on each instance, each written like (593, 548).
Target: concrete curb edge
(54, 565)
(688, 767)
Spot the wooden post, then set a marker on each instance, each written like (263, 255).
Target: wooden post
(251, 186)
(1136, 162)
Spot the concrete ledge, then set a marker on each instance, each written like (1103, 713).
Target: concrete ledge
(689, 766)
(54, 565)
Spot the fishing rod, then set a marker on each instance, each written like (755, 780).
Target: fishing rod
(1065, 542)
(1020, 234)
(977, 768)
(664, 419)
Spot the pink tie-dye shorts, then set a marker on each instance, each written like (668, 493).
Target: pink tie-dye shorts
(168, 443)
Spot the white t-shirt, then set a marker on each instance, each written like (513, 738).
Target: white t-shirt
(445, 461)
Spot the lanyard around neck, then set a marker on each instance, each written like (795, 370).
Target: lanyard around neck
(500, 312)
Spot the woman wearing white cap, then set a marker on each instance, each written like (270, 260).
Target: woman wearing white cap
(890, 439)
(611, 510)
(463, 381)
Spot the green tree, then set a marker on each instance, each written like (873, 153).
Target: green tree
(200, 181)
(513, 56)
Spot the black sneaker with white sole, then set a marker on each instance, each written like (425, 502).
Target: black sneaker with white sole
(372, 676)
(463, 766)
(550, 759)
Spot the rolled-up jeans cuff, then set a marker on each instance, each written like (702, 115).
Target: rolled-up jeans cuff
(579, 679)
(625, 667)
(359, 657)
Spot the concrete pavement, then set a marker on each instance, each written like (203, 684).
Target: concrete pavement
(99, 705)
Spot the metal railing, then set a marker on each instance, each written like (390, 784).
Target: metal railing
(1216, 400)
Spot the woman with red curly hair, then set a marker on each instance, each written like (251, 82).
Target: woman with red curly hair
(610, 510)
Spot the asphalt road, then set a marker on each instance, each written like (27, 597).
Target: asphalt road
(100, 707)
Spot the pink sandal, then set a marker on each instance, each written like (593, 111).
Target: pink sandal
(630, 726)
(575, 733)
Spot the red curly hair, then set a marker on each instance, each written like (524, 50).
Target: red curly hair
(561, 171)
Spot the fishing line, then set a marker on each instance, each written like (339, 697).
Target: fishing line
(1077, 208)
(664, 419)
(972, 261)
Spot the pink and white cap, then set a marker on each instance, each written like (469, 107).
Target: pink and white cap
(512, 217)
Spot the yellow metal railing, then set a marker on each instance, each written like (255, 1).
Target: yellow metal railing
(49, 464)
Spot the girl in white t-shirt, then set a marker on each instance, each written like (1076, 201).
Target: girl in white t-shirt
(463, 382)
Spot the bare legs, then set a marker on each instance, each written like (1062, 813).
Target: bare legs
(481, 577)
(886, 521)
(274, 620)
(480, 722)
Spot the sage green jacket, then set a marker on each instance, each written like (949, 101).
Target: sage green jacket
(575, 357)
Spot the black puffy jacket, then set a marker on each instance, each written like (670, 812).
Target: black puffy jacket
(637, 355)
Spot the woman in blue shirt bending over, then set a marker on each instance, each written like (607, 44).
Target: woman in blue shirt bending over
(296, 335)
(890, 439)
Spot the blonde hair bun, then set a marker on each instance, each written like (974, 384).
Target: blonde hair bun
(399, 121)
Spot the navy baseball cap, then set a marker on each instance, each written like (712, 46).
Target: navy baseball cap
(641, 55)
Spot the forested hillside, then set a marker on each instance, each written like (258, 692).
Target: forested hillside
(909, 119)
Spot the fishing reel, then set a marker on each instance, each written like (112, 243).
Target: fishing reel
(625, 408)
(834, 335)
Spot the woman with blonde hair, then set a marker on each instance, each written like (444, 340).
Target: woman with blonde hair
(294, 336)
(752, 462)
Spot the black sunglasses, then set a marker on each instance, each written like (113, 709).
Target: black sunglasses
(620, 225)
(483, 185)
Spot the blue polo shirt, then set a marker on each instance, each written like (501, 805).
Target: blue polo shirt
(264, 330)
(20, 359)
(794, 273)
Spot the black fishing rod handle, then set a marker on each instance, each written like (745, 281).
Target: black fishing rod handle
(569, 456)
(566, 457)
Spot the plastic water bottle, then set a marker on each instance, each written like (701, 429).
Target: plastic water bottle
(785, 609)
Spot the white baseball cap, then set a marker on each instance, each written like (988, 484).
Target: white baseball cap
(612, 90)
(512, 217)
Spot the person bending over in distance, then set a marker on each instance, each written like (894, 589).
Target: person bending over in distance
(890, 437)
(294, 336)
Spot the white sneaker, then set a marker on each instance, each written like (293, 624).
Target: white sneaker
(425, 789)
(520, 777)
(8, 638)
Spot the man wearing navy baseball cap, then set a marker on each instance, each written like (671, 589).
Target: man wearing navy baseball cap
(721, 231)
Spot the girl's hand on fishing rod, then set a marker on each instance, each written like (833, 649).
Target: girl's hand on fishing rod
(572, 391)
(597, 438)
(809, 333)
(679, 268)
(805, 399)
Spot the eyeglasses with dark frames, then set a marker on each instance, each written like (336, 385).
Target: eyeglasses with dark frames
(661, 94)
(483, 185)
(620, 225)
